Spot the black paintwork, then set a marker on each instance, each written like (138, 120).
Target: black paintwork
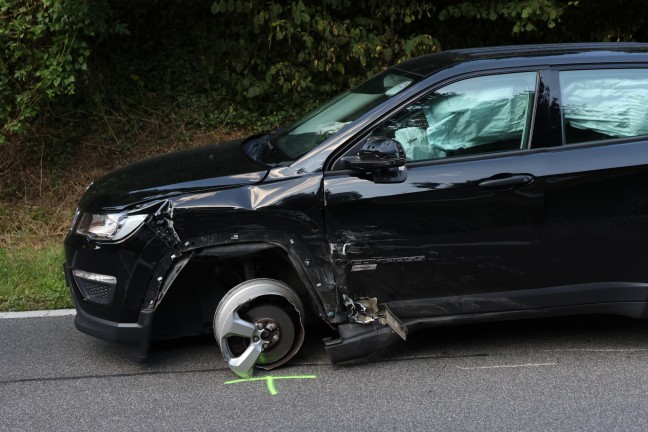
(521, 55)
(549, 230)
(473, 239)
(189, 171)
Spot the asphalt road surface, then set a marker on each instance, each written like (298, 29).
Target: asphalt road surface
(588, 374)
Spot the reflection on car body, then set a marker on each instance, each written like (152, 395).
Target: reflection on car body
(466, 186)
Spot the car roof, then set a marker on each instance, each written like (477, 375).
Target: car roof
(525, 54)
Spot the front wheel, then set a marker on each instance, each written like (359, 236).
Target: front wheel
(259, 323)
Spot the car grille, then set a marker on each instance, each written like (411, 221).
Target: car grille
(96, 291)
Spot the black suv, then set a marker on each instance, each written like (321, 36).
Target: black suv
(467, 186)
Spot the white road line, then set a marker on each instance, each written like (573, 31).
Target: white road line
(598, 350)
(38, 314)
(508, 366)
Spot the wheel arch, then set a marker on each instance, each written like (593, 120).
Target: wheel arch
(243, 251)
(187, 301)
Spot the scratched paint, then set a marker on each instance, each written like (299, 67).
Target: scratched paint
(270, 381)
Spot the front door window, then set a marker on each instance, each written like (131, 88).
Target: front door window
(474, 116)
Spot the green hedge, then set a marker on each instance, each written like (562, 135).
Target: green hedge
(65, 63)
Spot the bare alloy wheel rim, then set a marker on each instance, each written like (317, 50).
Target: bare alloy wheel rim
(259, 323)
(277, 334)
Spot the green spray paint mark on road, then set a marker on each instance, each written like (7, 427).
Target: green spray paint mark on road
(270, 381)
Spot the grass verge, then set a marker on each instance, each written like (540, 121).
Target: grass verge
(33, 279)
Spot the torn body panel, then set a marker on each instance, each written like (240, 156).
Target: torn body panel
(257, 228)
(372, 327)
(366, 310)
(285, 214)
(220, 229)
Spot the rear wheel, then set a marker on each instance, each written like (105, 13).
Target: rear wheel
(259, 323)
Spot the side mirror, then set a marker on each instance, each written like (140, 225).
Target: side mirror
(384, 157)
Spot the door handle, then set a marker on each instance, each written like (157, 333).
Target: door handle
(507, 183)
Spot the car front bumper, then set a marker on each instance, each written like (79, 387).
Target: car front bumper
(113, 285)
(135, 335)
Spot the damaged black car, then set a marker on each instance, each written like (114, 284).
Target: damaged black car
(466, 186)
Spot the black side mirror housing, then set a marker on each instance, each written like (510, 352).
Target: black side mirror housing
(384, 157)
(377, 152)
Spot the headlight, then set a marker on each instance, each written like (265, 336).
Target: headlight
(74, 219)
(111, 226)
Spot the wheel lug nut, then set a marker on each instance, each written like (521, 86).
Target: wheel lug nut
(259, 326)
(265, 346)
(255, 339)
(275, 338)
(271, 326)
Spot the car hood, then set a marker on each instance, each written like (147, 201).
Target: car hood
(216, 165)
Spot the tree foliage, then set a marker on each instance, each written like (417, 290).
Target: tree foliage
(251, 61)
(43, 45)
(310, 50)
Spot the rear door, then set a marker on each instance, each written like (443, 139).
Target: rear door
(463, 230)
(596, 231)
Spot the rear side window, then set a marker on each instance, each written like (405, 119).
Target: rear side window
(474, 116)
(604, 104)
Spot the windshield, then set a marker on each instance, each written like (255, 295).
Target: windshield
(290, 143)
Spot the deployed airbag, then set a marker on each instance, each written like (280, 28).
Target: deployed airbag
(610, 102)
(462, 116)
(467, 114)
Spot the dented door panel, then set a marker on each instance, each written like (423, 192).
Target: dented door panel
(438, 234)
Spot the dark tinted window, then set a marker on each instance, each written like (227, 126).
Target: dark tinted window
(328, 119)
(604, 104)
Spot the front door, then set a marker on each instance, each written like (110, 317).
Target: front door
(463, 230)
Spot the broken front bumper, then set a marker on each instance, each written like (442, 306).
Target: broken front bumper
(136, 335)
(114, 286)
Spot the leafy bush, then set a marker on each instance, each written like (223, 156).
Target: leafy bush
(303, 51)
(206, 63)
(44, 51)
